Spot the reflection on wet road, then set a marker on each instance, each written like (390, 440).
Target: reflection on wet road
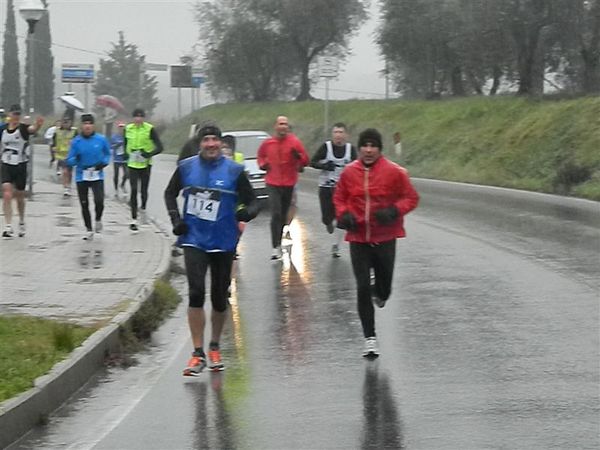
(489, 341)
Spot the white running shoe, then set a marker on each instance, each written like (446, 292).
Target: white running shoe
(8, 232)
(67, 192)
(88, 236)
(134, 227)
(277, 253)
(335, 251)
(371, 351)
(22, 229)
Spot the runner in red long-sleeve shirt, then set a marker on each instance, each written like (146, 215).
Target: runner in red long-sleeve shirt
(280, 156)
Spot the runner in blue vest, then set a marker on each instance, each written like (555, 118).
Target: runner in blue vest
(212, 186)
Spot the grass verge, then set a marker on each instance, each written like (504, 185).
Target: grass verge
(162, 302)
(544, 145)
(30, 347)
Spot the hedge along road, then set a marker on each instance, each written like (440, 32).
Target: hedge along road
(489, 340)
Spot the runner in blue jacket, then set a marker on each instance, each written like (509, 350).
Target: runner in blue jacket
(90, 154)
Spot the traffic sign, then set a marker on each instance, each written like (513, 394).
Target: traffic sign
(198, 79)
(181, 76)
(77, 73)
(328, 66)
(156, 67)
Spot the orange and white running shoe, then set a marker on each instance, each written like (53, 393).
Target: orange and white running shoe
(195, 366)
(214, 356)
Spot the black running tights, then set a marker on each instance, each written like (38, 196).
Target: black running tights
(381, 258)
(138, 176)
(97, 188)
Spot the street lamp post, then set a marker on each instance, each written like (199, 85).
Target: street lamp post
(32, 11)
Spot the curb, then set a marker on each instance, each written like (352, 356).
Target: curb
(20, 414)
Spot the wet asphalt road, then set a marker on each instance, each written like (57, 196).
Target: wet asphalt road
(490, 340)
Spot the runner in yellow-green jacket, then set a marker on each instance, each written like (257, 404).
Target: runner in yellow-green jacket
(141, 143)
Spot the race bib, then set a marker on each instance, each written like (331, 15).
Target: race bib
(137, 157)
(11, 158)
(91, 175)
(203, 206)
(120, 151)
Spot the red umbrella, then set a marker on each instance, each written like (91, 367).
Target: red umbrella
(108, 101)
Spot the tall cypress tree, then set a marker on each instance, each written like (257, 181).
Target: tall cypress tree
(10, 90)
(43, 67)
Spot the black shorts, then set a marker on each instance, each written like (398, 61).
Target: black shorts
(15, 174)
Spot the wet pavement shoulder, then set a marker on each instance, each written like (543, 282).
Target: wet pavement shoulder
(53, 273)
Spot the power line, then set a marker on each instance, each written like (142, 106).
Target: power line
(54, 44)
(315, 87)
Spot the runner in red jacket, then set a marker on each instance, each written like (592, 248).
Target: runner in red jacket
(371, 199)
(281, 156)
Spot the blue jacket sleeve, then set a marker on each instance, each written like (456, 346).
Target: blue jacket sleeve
(105, 153)
(73, 157)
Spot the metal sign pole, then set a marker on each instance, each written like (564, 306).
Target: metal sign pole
(326, 128)
(179, 103)
(328, 68)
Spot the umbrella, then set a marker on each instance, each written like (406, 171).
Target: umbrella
(108, 101)
(71, 102)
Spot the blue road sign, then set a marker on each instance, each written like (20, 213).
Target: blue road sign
(197, 80)
(77, 73)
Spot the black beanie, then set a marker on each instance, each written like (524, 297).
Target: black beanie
(87, 118)
(370, 135)
(230, 141)
(209, 130)
(138, 112)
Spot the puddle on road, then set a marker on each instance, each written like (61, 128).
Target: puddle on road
(63, 220)
(105, 280)
(38, 247)
(91, 258)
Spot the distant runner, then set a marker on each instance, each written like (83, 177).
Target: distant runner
(117, 145)
(331, 158)
(61, 141)
(14, 143)
(280, 156)
(141, 143)
(90, 153)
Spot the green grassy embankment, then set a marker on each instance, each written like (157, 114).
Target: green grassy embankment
(30, 347)
(540, 145)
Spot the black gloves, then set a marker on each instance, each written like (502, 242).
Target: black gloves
(386, 216)
(329, 166)
(296, 154)
(247, 213)
(347, 222)
(147, 155)
(266, 167)
(179, 227)
(99, 166)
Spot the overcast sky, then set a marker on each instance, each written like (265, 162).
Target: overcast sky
(164, 30)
